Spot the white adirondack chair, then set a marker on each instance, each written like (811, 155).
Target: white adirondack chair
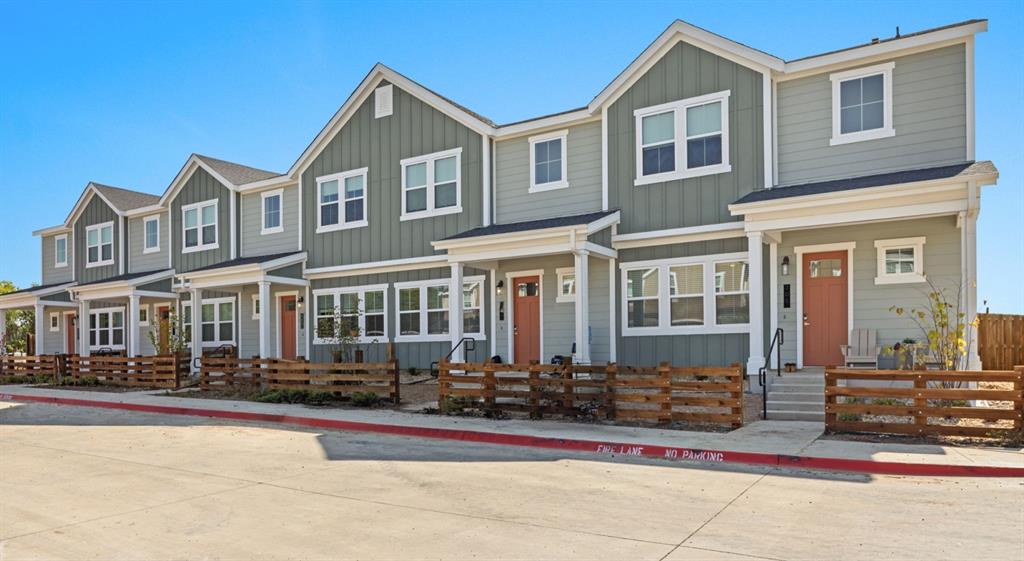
(863, 349)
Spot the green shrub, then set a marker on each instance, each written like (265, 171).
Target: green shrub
(365, 399)
(307, 397)
(849, 417)
(30, 379)
(457, 404)
(84, 381)
(412, 370)
(319, 398)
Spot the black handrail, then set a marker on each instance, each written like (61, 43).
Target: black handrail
(776, 344)
(470, 347)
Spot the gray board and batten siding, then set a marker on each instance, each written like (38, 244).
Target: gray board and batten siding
(201, 187)
(95, 212)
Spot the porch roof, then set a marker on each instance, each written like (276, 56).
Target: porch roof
(253, 260)
(544, 224)
(125, 278)
(41, 289)
(957, 171)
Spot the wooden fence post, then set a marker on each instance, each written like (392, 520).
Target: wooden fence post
(920, 403)
(396, 397)
(59, 369)
(490, 386)
(442, 385)
(1018, 386)
(665, 392)
(568, 401)
(830, 399)
(609, 388)
(533, 379)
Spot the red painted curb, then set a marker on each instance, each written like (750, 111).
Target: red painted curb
(689, 455)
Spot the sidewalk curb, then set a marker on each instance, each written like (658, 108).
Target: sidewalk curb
(687, 455)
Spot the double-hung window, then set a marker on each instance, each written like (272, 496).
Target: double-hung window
(151, 234)
(217, 322)
(423, 309)
(199, 226)
(355, 311)
(342, 200)
(431, 185)
(99, 245)
(862, 104)
(106, 328)
(548, 161)
(60, 251)
(566, 284)
(54, 321)
(681, 139)
(704, 294)
(271, 203)
(186, 322)
(900, 260)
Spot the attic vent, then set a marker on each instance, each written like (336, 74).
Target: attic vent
(382, 101)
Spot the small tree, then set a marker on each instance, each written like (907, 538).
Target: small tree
(19, 324)
(944, 325)
(342, 331)
(177, 337)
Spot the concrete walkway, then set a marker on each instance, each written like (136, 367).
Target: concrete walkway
(770, 437)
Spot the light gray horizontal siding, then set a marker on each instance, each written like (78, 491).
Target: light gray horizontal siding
(514, 202)
(558, 318)
(929, 115)
(53, 341)
(137, 260)
(249, 328)
(685, 72)
(255, 243)
(50, 273)
(871, 302)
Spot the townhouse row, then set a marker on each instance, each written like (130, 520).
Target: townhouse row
(709, 195)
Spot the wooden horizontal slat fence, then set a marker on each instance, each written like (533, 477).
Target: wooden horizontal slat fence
(11, 365)
(659, 394)
(162, 371)
(1000, 341)
(924, 402)
(338, 378)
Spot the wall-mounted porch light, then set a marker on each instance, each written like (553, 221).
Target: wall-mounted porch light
(501, 287)
(785, 266)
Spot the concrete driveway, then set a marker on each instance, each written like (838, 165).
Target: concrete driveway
(81, 483)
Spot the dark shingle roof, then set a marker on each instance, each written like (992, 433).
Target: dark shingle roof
(909, 176)
(893, 38)
(124, 277)
(245, 261)
(126, 199)
(237, 174)
(493, 229)
(35, 288)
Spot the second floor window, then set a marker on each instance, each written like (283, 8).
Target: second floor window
(862, 104)
(152, 234)
(199, 222)
(272, 212)
(431, 185)
(548, 161)
(342, 200)
(60, 251)
(99, 245)
(681, 139)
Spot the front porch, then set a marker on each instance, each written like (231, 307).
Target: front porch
(53, 312)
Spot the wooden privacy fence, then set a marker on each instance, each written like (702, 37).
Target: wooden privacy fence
(163, 371)
(345, 379)
(659, 394)
(924, 402)
(1000, 341)
(11, 365)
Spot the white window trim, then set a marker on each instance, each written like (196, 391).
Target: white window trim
(562, 272)
(187, 327)
(255, 302)
(216, 302)
(340, 178)
(360, 291)
(423, 336)
(563, 183)
(54, 321)
(279, 193)
(124, 327)
(664, 326)
(917, 244)
(145, 237)
(887, 129)
(144, 308)
(57, 264)
(679, 108)
(430, 210)
(199, 221)
(99, 239)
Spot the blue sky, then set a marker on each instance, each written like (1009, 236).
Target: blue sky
(122, 93)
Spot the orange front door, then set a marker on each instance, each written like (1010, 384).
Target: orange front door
(526, 323)
(825, 307)
(288, 327)
(163, 317)
(70, 331)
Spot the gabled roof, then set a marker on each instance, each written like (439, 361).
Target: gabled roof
(237, 174)
(531, 225)
(377, 74)
(131, 278)
(966, 170)
(229, 174)
(125, 199)
(272, 260)
(40, 290)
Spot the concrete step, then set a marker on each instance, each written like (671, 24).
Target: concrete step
(790, 387)
(804, 397)
(796, 406)
(785, 415)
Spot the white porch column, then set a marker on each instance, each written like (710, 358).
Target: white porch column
(773, 295)
(582, 272)
(969, 259)
(83, 328)
(755, 252)
(197, 324)
(264, 288)
(41, 326)
(134, 344)
(455, 311)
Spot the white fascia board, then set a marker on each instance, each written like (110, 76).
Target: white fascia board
(83, 201)
(679, 235)
(510, 237)
(864, 216)
(378, 73)
(377, 267)
(146, 211)
(561, 120)
(603, 222)
(266, 184)
(59, 229)
(185, 173)
(28, 299)
(120, 285)
(889, 48)
(248, 268)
